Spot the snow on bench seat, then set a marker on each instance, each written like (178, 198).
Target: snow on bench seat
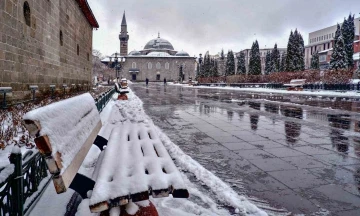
(296, 82)
(64, 132)
(135, 165)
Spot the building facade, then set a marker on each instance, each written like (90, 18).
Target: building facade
(262, 57)
(157, 61)
(45, 42)
(322, 41)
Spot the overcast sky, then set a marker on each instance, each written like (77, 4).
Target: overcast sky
(196, 26)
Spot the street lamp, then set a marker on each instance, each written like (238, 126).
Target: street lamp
(118, 65)
(200, 60)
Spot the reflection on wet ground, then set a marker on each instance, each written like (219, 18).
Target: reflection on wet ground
(296, 152)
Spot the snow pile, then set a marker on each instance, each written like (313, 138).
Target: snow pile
(77, 113)
(132, 111)
(280, 91)
(6, 172)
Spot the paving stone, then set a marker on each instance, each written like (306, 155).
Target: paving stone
(261, 181)
(303, 162)
(239, 145)
(298, 178)
(266, 144)
(284, 152)
(272, 164)
(312, 150)
(336, 175)
(332, 197)
(226, 139)
(254, 154)
(337, 159)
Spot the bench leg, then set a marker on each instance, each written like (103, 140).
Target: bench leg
(100, 142)
(82, 185)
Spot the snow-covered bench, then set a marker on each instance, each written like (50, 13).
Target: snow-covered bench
(133, 166)
(296, 84)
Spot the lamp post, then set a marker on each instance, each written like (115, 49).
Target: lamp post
(118, 65)
(200, 60)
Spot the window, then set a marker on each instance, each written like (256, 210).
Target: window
(149, 65)
(133, 76)
(27, 13)
(61, 38)
(167, 65)
(332, 34)
(158, 65)
(158, 77)
(322, 58)
(324, 47)
(78, 49)
(133, 65)
(88, 56)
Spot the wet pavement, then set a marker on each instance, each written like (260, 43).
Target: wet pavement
(300, 153)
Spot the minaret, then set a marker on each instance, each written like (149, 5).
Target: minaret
(123, 37)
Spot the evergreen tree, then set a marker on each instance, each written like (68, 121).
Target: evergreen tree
(268, 63)
(295, 52)
(348, 33)
(222, 55)
(215, 69)
(255, 60)
(282, 63)
(230, 64)
(207, 65)
(338, 58)
(315, 65)
(241, 68)
(275, 60)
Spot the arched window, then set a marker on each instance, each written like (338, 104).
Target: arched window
(149, 65)
(78, 49)
(158, 65)
(133, 65)
(27, 13)
(167, 65)
(61, 39)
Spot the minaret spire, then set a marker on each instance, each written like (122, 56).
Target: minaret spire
(123, 22)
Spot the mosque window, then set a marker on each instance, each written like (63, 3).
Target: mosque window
(158, 65)
(167, 65)
(27, 13)
(149, 65)
(61, 38)
(133, 65)
(78, 49)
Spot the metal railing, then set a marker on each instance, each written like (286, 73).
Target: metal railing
(23, 183)
(103, 99)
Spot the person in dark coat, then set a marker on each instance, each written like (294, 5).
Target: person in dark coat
(147, 81)
(164, 81)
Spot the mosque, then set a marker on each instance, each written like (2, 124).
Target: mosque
(158, 60)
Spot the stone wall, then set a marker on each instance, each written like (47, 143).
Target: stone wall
(170, 74)
(50, 45)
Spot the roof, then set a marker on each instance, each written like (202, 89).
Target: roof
(85, 8)
(159, 44)
(182, 53)
(158, 54)
(123, 22)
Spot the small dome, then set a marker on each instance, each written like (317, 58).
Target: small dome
(159, 43)
(182, 53)
(134, 53)
(158, 54)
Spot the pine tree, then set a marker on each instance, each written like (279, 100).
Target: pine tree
(338, 58)
(348, 33)
(207, 66)
(255, 60)
(295, 52)
(241, 68)
(215, 69)
(268, 63)
(230, 64)
(282, 63)
(275, 60)
(315, 65)
(222, 55)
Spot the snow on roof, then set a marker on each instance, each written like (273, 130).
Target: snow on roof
(325, 51)
(356, 56)
(158, 54)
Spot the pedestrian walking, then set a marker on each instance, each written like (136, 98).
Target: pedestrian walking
(164, 81)
(147, 81)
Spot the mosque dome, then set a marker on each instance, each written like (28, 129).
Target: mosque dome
(182, 53)
(159, 44)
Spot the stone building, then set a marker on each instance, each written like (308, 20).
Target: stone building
(45, 42)
(158, 60)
